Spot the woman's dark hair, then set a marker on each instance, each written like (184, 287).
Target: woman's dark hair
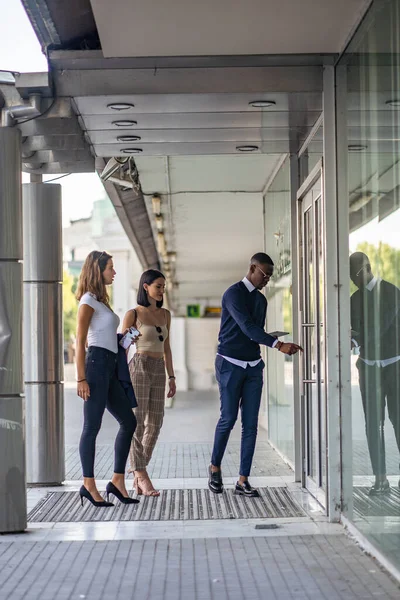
(148, 277)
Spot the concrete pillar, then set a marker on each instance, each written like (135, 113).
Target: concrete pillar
(43, 335)
(12, 445)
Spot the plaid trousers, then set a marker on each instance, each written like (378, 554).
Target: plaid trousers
(148, 380)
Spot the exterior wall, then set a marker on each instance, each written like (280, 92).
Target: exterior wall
(201, 347)
(178, 349)
(367, 84)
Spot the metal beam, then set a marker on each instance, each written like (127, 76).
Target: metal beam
(94, 59)
(131, 209)
(101, 82)
(42, 22)
(51, 126)
(51, 156)
(53, 142)
(28, 83)
(59, 168)
(57, 27)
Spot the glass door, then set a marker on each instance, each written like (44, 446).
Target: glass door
(312, 318)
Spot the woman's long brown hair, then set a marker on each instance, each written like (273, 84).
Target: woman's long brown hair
(91, 277)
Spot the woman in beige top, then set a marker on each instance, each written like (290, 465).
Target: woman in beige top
(147, 369)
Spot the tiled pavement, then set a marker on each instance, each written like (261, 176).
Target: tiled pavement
(175, 459)
(298, 558)
(305, 568)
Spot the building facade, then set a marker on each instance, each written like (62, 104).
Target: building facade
(246, 136)
(336, 287)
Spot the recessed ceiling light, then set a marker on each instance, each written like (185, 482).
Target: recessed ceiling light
(357, 147)
(128, 138)
(246, 148)
(131, 150)
(395, 103)
(262, 103)
(124, 123)
(120, 106)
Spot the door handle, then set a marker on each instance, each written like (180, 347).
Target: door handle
(309, 381)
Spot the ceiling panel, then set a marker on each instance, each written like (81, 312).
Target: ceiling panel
(205, 173)
(198, 135)
(187, 28)
(188, 148)
(221, 173)
(197, 124)
(212, 209)
(195, 103)
(203, 120)
(215, 235)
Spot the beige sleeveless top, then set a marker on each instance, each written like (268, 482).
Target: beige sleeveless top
(150, 340)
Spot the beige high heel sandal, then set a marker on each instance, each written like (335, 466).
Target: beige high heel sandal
(136, 486)
(143, 486)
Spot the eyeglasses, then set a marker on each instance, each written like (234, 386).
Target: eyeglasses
(265, 275)
(362, 268)
(159, 330)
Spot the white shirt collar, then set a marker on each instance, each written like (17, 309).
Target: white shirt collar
(370, 286)
(248, 284)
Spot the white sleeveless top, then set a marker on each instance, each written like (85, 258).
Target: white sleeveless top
(103, 325)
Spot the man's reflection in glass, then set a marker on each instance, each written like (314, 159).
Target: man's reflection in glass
(375, 323)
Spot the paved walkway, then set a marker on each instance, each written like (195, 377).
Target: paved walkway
(214, 559)
(318, 567)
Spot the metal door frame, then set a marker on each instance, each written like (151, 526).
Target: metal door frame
(321, 494)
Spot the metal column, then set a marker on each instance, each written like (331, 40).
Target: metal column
(332, 297)
(43, 336)
(294, 186)
(12, 444)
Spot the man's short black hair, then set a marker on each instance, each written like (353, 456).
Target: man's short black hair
(262, 259)
(359, 259)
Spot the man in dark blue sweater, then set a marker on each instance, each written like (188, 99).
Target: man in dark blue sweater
(375, 321)
(239, 368)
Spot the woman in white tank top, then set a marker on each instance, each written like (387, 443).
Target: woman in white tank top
(97, 381)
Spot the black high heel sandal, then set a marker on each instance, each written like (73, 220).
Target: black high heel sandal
(111, 489)
(84, 493)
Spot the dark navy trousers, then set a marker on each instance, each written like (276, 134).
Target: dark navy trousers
(239, 388)
(106, 391)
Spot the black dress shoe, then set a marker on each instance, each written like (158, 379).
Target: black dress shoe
(245, 489)
(215, 484)
(380, 489)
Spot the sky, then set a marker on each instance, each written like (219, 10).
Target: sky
(80, 190)
(376, 232)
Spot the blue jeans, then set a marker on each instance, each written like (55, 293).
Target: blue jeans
(239, 388)
(105, 392)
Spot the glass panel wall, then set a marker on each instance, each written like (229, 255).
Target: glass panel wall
(311, 155)
(279, 384)
(372, 123)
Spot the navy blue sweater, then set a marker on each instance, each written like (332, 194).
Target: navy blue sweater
(242, 323)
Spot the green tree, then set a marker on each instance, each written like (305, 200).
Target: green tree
(70, 305)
